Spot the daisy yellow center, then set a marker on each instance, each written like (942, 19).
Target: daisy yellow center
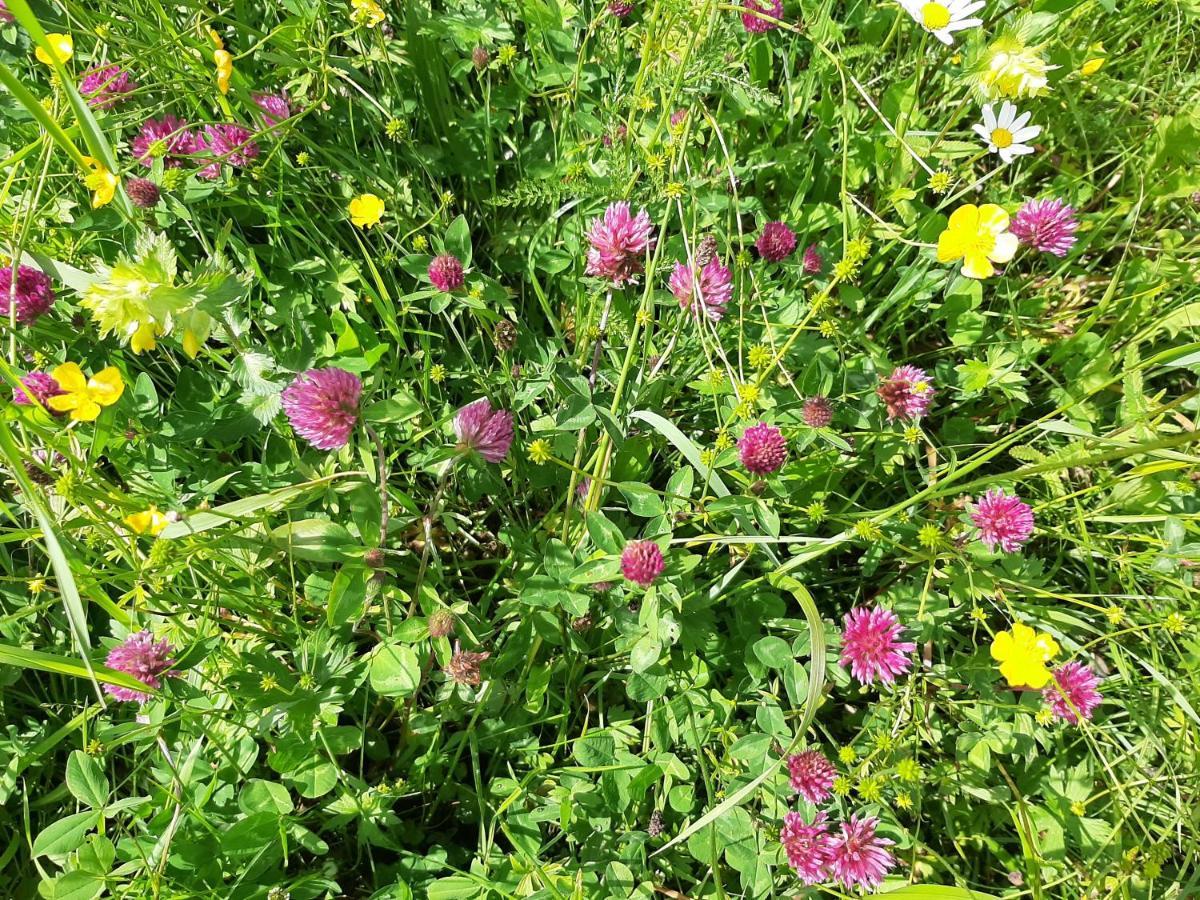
(1002, 137)
(935, 16)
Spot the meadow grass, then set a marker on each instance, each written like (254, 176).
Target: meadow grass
(401, 669)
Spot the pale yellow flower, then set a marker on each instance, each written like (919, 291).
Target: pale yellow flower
(367, 12)
(1013, 69)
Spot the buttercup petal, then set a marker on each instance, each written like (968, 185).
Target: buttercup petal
(70, 377)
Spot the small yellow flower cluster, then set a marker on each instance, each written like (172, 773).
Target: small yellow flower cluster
(930, 536)
(941, 181)
(760, 356)
(867, 530)
(540, 452)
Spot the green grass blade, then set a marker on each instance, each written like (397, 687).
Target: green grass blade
(72, 602)
(64, 665)
(39, 113)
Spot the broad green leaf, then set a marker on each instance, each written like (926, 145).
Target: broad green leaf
(394, 670)
(86, 780)
(320, 540)
(67, 834)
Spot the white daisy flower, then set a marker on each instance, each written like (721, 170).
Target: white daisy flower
(942, 18)
(1007, 133)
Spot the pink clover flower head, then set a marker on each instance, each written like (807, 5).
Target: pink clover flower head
(274, 107)
(906, 393)
(106, 86)
(1045, 225)
(809, 847)
(27, 297)
(753, 23)
(642, 562)
(762, 448)
(1072, 694)
(143, 658)
(813, 263)
(812, 775)
(143, 192)
(483, 430)
(620, 8)
(679, 116)
(817, 412)
(177, 141)
(714, 287)
(776, 242)
(1004, 520)
(229, 145)
(5, 16)
(619, 243)
(40, 386)
(446, 273)
(858, 856)
(871, 645)
(322, 405)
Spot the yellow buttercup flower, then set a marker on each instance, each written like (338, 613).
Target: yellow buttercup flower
(100, 181)
(149, 522)
(83, 397)
(1092, 64)
(1023, 654)
(366, 210)
(61, 45)
(979, 236)
(223, 60)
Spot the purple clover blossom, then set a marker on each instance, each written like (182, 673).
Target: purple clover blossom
(143, 658)
(106, 86)
(483, 430)
(168, 137)
(322, 405)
